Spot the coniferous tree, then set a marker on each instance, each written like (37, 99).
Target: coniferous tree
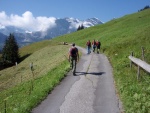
(82, 27)
(146, 7)
(10, 52)
(79, 28)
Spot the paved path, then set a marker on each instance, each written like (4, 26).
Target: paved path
(91, 91)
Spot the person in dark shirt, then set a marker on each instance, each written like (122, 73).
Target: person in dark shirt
(94, 45)
(73, 57)
(98, 45)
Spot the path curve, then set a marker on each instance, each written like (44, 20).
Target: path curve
(92, 90)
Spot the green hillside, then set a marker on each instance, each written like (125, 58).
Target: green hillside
(49, 67)
(118, 37)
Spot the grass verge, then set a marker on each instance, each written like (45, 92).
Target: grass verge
(21, 98)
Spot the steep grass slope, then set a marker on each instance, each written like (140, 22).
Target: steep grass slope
(119, 37)
(21, 88)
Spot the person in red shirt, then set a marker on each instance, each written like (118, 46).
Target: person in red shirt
(88, 44)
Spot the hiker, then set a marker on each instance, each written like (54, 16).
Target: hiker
(73, 57)
(88, 44)
(98, 45)
(94, 45)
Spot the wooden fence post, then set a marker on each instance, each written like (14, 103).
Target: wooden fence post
(143, 53)
(16, 64)
(31, 67)
(138, 73)
(130, 60)
(5, 107)
(21, 78)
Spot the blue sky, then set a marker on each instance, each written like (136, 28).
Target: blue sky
(105, 10)
(39, 15)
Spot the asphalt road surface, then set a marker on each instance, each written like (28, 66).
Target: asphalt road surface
(92, 90)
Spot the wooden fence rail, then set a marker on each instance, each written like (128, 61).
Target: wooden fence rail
(140, 63)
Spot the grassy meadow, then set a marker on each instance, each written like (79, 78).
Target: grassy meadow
(119, 37)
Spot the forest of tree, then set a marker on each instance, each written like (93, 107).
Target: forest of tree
(80, 27)
(146, 7)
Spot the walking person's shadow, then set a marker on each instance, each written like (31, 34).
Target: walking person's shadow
(91, 73)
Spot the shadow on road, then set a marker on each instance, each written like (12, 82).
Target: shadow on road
(91, 73)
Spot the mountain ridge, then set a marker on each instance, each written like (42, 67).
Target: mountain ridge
(62, 26)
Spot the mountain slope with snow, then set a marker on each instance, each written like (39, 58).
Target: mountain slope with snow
(61, 27)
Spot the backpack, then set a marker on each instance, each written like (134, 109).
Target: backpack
(73, 52)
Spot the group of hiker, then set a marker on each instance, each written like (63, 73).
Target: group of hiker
(94, 45)
(74, 55)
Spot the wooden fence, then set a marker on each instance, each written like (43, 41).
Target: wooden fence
(140, 63)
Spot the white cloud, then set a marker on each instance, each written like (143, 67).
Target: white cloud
(27, 21)
(74, 23)
(2, 27)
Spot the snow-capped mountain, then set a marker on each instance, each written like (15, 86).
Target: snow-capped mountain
(62, 26)
(91, 22)
(6, 30)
